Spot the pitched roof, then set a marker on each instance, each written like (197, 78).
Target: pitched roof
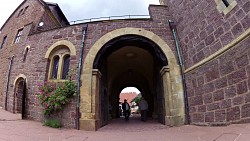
(129, 96)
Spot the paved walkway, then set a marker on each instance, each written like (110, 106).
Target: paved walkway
(12, 128)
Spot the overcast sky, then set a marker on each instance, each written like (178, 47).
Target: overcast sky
(85, 9)
(130, 89)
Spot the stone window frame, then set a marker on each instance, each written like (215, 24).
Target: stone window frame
(53, 50)
(162, 2)
(3, 42)
(60, 66)
(18, 35)
(222, 8)
(25, 52)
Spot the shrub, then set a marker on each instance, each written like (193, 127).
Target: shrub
(54, 123)
(54, 95)
(137, 99)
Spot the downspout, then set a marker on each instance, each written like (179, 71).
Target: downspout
(7, 82)
(173, 29)
(84, 31)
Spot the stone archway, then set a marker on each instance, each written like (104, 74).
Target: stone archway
(170, 75)
(58, 45)
(20, 95)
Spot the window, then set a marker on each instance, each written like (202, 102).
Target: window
(4, 40)
(59, 67)
(55, 67)
(25, 9)
(18, 36)
(225, 6)
(59, 57)
(25, 54)
(20, 12)
(225, 2)
(66, 62)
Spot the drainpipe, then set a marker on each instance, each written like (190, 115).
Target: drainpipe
(84, 31)
(7, 82)
(173, 29)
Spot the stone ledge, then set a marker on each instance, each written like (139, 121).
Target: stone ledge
(89, 124)
(210, 123)
(174, 120)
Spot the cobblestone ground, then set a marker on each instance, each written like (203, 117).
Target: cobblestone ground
(12, 128)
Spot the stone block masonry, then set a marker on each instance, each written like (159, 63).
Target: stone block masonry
(218, 86)
(203, 30)
(227, 78)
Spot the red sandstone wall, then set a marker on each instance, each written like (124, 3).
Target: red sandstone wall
(203, 30)
(158, 24)
(218, 91)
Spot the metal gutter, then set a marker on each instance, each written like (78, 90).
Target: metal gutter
(173, 29)
(7, 82)
(84, 31)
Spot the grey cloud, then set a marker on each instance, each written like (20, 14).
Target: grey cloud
(77, 10)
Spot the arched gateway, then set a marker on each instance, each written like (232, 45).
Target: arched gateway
(130, 57)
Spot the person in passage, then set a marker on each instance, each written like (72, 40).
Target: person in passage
(126, 109)
(143, 106)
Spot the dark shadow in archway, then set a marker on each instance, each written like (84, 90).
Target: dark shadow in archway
(129, 40)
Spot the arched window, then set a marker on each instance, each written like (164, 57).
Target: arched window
(59, 55)
(66, 62)
(55, 67)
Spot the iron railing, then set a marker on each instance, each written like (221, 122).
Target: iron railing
(124, 17)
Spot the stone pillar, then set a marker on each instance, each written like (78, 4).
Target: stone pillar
(173, 93)
(90, 119)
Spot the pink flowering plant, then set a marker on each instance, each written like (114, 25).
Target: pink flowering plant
(54, 95)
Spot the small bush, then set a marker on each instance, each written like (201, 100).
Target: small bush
(54, 123)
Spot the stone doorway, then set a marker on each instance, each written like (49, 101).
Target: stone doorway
(20, 97)
(137, 58)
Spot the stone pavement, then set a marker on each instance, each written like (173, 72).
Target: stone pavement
(12, 128)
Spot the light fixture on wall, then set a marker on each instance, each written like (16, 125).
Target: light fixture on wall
(40, 24)
(130, 55)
